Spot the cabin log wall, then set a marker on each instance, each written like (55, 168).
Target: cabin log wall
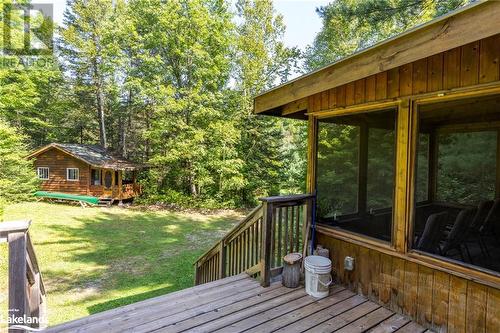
(57, 162)
(436, 296)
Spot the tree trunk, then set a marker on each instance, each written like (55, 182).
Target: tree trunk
(100, 115)
(98, 83)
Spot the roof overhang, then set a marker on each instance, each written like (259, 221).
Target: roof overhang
(127, 167)
(466, 25)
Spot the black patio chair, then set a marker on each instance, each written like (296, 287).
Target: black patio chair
(476, 225)
(456, 238)
(433, 233)
(492, 220)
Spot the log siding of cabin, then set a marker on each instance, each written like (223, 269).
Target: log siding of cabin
(57, 162)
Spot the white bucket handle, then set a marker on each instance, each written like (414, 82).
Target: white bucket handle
(326, 284)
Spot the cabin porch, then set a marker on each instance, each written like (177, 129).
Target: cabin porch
(110, 184)
(239, 303)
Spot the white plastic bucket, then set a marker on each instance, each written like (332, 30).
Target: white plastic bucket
(318, 276)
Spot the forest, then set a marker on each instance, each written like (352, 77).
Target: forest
(171, 84)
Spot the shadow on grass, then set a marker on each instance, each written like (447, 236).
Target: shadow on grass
(118, 258)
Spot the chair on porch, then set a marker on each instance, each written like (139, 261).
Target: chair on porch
(433, 232)
(479, 219)
(455, 239)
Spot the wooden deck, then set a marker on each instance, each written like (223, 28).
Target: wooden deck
(238, 304)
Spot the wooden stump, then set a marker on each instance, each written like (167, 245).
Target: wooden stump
(291, 270)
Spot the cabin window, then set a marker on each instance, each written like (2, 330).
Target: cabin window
(72, 174)
(355, 173)
(457, 210)
(43, 173)
(96, 177)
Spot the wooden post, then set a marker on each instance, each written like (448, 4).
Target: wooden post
(401, 196)
(222, 260)
(267, 238)
(90, 180)
(433, 166)
(363, 169)
(34, 299)
(497, 179)
(312, 138)
(120, 193)
(18, 305)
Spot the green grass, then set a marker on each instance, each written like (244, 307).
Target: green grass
(95, 259)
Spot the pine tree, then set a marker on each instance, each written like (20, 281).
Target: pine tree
(18, 180)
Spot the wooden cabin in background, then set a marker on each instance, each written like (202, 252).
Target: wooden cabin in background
(86, 170)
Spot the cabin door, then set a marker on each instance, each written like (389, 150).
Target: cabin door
(108, 184)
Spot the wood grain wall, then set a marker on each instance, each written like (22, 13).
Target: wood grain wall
(468, 65)
(441, 299)
(57, 162)
(435, 299)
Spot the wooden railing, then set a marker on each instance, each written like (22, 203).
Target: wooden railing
(258, 243)
(27, 304)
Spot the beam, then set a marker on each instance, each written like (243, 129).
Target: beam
(295, 106)
(459, 28)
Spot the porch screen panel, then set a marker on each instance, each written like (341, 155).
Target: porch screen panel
(355, 173)
(380, 168)
(337, 169)
(457, 213)
(467, 167)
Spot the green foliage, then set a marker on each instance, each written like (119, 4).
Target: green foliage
(466, 170)
(352, 25)
(18, 179)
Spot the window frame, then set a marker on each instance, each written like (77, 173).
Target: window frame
(396, 105)
(407, 153)
(38, 173)
(77, 175)
(471, 272)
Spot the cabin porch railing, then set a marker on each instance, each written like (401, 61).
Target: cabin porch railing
(257, 244)
(26, 288)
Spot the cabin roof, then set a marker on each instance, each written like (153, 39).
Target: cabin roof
(468, 24)
(95, 155)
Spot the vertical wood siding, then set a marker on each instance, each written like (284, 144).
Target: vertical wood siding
(435, 299)
(468, 65)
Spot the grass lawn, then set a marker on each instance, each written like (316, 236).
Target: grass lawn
(95, 259)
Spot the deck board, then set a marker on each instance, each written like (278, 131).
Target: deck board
(240, 304)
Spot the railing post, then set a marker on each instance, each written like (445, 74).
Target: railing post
(18, 305)
(267, 228)
(222, 259)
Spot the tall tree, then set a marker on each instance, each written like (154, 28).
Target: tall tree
(262, 60)
(91, 54)
(18, 180)
(352, 25)
(183, 71)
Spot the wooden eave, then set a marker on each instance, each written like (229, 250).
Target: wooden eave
(471, 23)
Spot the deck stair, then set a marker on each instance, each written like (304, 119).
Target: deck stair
(105, 202)
(257, 244)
